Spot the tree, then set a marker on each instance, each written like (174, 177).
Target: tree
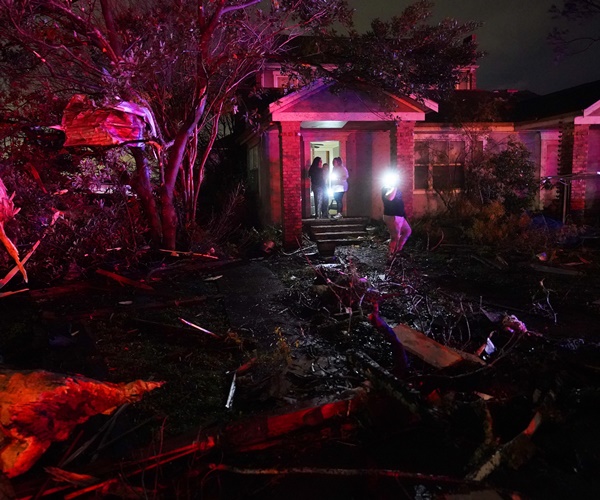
(186, 60)
(183, 60)
(503, 174)
(406, 55)
(579, 12)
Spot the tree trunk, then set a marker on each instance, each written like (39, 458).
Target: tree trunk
(169, 217)
(174, 162)
(143, 188)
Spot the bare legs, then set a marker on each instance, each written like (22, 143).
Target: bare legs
(399, 230)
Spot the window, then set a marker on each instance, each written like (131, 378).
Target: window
(284, 81)
(439, 165)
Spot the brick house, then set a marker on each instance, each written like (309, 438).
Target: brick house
(561, 130)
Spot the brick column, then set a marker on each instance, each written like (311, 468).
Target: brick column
(581, 137)
(403, 156)
(291, 184)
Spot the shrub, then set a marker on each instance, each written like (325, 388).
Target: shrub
(506, 177)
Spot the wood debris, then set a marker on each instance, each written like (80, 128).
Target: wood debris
(430, 351)
(123, 280)
(177, 253)
(39, 407)
(7, 212)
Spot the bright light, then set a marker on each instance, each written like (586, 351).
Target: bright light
(391, 179)
(332, 177)
(330, 193)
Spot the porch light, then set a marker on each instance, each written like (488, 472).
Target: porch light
(391, 179)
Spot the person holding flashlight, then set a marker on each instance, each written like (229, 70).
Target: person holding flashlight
(394, 217)
(339, 184)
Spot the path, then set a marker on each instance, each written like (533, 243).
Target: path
(252, 300)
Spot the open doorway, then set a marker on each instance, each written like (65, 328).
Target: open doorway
(327, 150)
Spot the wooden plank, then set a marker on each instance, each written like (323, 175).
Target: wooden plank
(429, 350)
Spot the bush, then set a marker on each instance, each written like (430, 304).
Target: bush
(506, 177)
(75, 225)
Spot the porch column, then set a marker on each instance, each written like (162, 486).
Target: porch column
(403, 157)
(291, 184)
(581, 136)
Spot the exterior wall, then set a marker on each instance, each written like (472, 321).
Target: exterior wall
(363, 159)
(270, 179)
(548, 165)
(580, 165)
(382, 162)
(543, 146)
(367, 153)
(405, 161)
(593, 185)
(428, 202)
(291, 183)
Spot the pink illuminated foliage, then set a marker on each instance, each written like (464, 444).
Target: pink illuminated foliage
(188, 63)
(182, 60)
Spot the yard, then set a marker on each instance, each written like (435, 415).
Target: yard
(279, 380)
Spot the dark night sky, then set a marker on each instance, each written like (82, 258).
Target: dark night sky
(513, 35)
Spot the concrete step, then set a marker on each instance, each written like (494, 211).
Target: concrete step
(339, 228)
(329, 233)
(336, 235)
(340, 242)
(343, 220)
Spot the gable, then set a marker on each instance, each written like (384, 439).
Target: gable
(318, 103)
(591, 115)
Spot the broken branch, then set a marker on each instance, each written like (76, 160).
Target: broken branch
(177, 253)
(396, 474)
(124, 281)
(15, 269)
(189, 323)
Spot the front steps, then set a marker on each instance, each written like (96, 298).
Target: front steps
(334, 232)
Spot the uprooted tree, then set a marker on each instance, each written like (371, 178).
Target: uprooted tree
(186, 61)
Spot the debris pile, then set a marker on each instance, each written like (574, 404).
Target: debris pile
(385, 380)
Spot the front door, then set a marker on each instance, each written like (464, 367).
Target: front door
(327, 151)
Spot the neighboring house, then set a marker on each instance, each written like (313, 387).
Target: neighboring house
(422, 140)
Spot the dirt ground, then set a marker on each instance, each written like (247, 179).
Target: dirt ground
(293, 331)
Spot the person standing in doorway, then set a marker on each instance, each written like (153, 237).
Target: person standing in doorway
(394, 217)
(318, 183)
(339, 184)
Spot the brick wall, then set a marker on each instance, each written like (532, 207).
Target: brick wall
(291, 180)
(405, 158)
(581, 137)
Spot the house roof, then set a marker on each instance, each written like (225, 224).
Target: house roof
(464, 106)
(576, 101)
(323, 102)
(581, 103)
